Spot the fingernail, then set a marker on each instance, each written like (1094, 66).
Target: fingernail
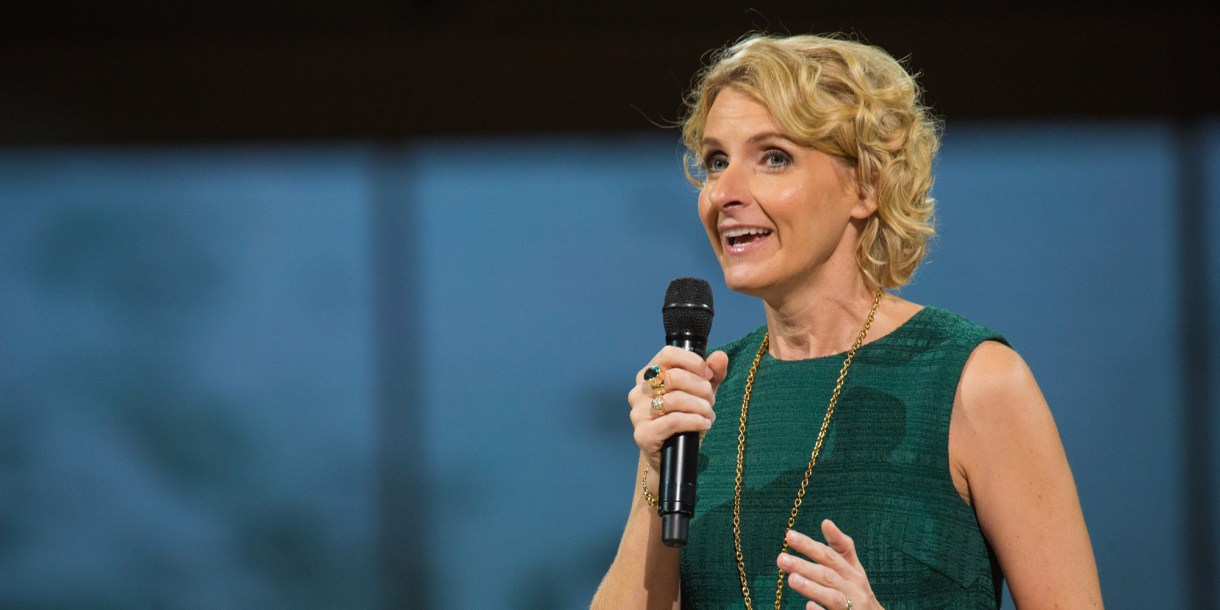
(785, 560)
(708, 423)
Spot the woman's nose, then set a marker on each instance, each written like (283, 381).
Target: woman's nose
(730, 187)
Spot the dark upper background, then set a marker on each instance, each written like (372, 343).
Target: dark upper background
(76, 71)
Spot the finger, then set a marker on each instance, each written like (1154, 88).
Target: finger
(642, 405)
(820, 594)
(671, 357)
(822, 554)
(811, 571)
(650, 435)
(841, 543)
(681, 402)
(718, 362)
(682, 380)
(640, 408)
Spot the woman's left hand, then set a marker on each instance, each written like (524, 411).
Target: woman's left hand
(834, 579)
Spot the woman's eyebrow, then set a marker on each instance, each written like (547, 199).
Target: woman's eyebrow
(754, 139)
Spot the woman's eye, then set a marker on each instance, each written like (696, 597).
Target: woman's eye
(776, 158)
(715, 163)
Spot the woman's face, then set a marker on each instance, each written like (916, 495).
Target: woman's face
(778, 214)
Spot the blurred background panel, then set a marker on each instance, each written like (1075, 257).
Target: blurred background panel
(312, 305)
(187, 379)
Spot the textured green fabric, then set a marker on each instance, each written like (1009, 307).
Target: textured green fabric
(882, 477)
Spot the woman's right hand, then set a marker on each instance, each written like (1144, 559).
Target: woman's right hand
(690, 393)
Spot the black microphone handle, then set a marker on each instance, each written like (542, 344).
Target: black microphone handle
(676, 503)
(679, 467)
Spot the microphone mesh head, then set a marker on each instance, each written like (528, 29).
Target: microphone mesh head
(688, 307)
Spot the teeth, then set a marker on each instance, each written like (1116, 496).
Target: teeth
(742, 231)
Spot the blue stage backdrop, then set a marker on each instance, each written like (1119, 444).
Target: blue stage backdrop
(193, 346)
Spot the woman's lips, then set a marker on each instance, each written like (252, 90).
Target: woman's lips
(738, 240)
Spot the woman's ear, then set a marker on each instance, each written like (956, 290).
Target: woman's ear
(866, 198)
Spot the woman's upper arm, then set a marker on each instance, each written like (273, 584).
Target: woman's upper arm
(1005, 443)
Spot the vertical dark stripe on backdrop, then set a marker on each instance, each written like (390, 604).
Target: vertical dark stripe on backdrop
(1195, 314)
(402, 536)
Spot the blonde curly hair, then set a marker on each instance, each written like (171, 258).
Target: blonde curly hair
(849, 100)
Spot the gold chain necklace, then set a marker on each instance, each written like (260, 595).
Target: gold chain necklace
(813, 459)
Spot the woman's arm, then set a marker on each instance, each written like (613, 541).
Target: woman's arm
(1010, 465)
(645, 571)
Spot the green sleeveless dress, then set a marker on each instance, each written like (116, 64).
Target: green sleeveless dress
(882, 477)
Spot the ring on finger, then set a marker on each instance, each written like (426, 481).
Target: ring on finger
(658, 406)
(656, 379)
(846, 602)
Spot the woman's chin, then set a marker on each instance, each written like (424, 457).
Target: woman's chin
(745, 284)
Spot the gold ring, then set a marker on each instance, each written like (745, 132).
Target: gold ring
(658, 406)
(656, 379)
(848, 600)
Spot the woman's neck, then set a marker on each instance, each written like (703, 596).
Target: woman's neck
(820, 321)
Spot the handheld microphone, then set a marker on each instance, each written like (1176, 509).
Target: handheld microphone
(687, 313)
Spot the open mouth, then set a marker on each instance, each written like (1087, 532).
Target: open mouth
(741, 237)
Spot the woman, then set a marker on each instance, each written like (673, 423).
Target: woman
(861, 451)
